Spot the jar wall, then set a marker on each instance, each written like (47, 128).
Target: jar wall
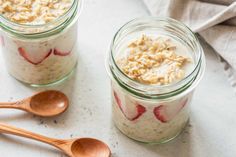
(41, 61)
(149, 120)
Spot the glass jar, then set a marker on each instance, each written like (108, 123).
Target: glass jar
(41, 54)
(153, 113)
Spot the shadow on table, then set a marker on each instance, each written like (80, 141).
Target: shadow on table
(179, 147)
(12, 115)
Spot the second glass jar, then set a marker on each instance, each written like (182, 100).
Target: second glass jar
(41, 54)
(153, 113)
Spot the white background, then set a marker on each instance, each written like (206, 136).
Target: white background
(212, 129)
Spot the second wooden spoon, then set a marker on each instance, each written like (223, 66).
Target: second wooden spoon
(81, 147)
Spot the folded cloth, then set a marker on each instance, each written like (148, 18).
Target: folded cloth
(214, 20)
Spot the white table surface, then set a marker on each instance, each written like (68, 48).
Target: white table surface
(212, 128)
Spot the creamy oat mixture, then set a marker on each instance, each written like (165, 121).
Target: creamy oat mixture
(154, 60)
(34, 11)
(149, 121)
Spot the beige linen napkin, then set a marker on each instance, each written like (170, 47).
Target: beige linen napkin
(214, 20)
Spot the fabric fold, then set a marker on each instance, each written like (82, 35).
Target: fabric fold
(214, 20)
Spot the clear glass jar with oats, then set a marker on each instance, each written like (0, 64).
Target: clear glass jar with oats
(154, 65)
(38, 39)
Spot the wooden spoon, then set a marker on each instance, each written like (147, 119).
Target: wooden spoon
(48, 103)
(81, 147)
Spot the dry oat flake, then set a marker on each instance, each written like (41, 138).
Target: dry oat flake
(153, 61)
(34, 11)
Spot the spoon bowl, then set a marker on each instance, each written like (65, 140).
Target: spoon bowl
(89, 147)
(49, 103)
(46, 104)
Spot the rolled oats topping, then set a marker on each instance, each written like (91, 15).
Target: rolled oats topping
(34, 11)
(152, 60)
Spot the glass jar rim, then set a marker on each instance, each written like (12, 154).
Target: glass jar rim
(4, 22)
(195, 71)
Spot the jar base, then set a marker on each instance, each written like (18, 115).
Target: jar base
(59, 81)
(157, 142)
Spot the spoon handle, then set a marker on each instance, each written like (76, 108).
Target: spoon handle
(15, 105)
(23, 133)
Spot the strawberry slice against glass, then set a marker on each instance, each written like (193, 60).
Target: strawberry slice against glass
(34, 54)
(61, 53)
(165, 113)
(65, 44)
(131, 111)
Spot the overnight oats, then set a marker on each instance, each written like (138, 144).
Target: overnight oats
(38, 39)
(155, 65)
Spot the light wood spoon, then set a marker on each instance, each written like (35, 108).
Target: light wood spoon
(81, 147)
(47, 103)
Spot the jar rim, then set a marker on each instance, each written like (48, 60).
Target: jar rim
(112, 63)
(4, 22)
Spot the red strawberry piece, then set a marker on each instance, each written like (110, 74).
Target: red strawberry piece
(61, 53)
(133, 112)
(2, 43)
(165, 113)
(34, 58)
(140, 111)
(65, 43)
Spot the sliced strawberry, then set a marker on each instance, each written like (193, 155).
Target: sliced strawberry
(34, 58)
(140, 111)
(165, 113)
(132, 111)
(65, 43)
(2, 42)
(61, 53)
